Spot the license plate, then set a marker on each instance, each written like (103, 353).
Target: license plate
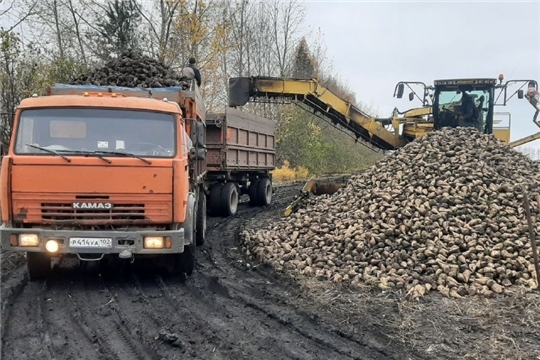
(90, 242)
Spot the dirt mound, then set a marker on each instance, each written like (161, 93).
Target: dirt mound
(443, 213)
(132, 70)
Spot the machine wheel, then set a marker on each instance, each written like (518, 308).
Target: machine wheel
(264, 192)
(229, 199)
(215, 199)
(201, 219)
(253, 190)
(38, 265)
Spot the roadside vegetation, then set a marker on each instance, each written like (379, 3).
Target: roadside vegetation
(45, 42)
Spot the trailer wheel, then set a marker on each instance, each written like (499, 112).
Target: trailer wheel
(201, 219)
(38, 265)
(229, 199)
(215, 199)
(253, 190)
(264, 192)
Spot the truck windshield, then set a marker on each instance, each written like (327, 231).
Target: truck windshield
(80, 130)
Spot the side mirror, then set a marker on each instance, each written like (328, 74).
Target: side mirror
(520, 94)
(411, 96)
(198, 134)
(400, 90)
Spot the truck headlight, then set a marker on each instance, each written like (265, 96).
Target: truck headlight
(51, 246)
(153, 242)
(28, 240)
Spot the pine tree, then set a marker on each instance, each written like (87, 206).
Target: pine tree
(119, 28)
(303, 67)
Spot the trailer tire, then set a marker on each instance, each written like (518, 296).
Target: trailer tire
(264, 192)
(38, 265)
(214, 201)
(253, 191)
(200, 238)
(229, 199)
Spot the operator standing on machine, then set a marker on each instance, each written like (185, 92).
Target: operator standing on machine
(191, 72)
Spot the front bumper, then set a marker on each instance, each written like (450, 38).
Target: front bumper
(131, 241)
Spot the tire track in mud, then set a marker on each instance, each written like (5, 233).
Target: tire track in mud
(20, 337)
(117, 335)
(69, 322)
(270, 322)
(252, 334)
(178, 332)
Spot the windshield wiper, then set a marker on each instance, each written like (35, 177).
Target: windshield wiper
(54, 152)
(86, 154)
(119, 153)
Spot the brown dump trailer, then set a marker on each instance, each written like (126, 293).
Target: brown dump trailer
(240, 156)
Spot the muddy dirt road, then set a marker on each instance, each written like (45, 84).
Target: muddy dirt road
(228, 309)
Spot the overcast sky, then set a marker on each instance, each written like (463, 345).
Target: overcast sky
(374, 45)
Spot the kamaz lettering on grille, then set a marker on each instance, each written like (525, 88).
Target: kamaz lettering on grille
(92, 206)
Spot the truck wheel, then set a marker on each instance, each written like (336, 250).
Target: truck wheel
(38, 265)
(201, 219)
(229, 199)
(264, 192)
(215, 199)
(187, 259)
(253, 192)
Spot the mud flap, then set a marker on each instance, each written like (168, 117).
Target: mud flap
(189, 223)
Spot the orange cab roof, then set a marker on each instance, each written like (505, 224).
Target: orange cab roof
(122, 102)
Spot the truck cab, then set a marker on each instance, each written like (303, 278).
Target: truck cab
(98, 174)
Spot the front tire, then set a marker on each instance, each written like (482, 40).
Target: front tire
(38, 266)
(187, 259)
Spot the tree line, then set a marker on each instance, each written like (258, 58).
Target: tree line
(45, 42)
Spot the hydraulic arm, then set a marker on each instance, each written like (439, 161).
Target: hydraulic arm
(534, 99)
(321, 100)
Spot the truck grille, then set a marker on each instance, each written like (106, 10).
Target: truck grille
(63, 212)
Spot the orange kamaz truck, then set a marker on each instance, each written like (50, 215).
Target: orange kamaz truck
(98, 171)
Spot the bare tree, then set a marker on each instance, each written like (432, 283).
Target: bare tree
(286, 20)
(164, 13)
(76, 15)
(16, 15)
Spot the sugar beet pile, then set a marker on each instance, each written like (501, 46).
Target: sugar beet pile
(131, 69)
(443, 213)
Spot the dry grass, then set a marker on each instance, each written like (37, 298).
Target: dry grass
(502, 327)
(286, 173)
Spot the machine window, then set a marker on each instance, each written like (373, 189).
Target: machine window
(464, 108)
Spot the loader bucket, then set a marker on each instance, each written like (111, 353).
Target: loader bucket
(325, 185)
